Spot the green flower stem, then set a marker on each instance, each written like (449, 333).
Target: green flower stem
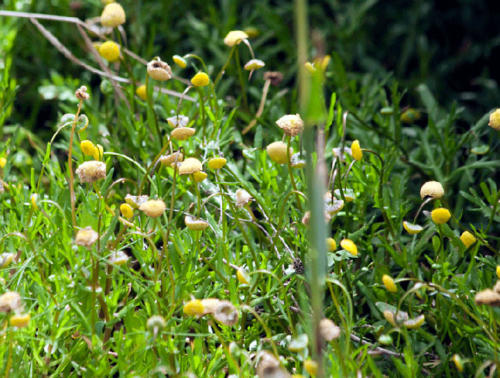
(152, 110)
(224, 67)
(202, 112)
(241, 79)
(290, 171)
(70, 164)
(128, 68)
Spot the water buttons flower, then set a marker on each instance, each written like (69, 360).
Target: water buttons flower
(291, 124)
(180, 61)
(411, 228)
(277, 151)
(234, 37)
(254, 64)
(495, 120)
(193, 308)
(440, 215)
(110, 51)
(153, 208)
(432, 189)
(331, 245)
(142, 92)
(201, 79)
(349, 246)
(126, 210)
(467, 239)
(389, 283)
(356, 151)
(159, 70)
(216, 163)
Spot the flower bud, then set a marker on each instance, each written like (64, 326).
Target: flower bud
(118, 258)
(411, 228)
(242, 198)
(142, 92)
(81, 93)
(254, 64)
(389, 283)
(180, 61)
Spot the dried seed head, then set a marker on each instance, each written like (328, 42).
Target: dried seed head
(194, 308)
(349, 246)
(178, 121)
(201, 79)
(467, 239)
(269, 367)
(496, 288)
(113, 15)
(440, 215)
(180, 61)
(234, 37)
(153, 208)
(243, 198)
(328, 329)
(10, 301)
(81, 93)
(110, 51)
(495, 120)
(118, 258)
(195, 224)
(356, 151)
(209, 305)
(159, 70)
(488, 297)
(274, 77)
(291, 124)
(155, 323)
(182, 133)
(135, 201)
(20, 320)
(411, 228)
(254, 64)
(190, 166)
(389, 283)
(216, 163)
(432, 189)
(86, 237)
(91, 171)
(277, 151)
(226, 313)
(172, 158)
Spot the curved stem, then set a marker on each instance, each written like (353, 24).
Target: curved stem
(70, 164)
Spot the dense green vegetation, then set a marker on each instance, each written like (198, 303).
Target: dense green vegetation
(209, 224)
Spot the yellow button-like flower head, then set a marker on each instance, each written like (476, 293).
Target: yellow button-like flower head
(349, 246)
(331, 245)
(110, 51)
(389, 283)
(20, 320)
(311, 367)
(467, 238)
(216, 163)
(495, 120)
(180, 61)
(142, 92)
(201, 79)
(440, 215)
(126, 210)
(153, 208)
(277, 151)
(193, 308)
(356, 151)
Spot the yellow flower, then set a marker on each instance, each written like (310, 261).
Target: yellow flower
(3, 162)
(242, 276)
(216, 163)
(311, 367)
(33, 199)
(118, 258)
(467, 238)
(277, 151)
(180, 61)
(310, 67)
(356, 151)
(126, 210)
(199, 176)
(6, 258)
(113, 15)
(234, 37)
(110, 51)
(432, 189)
(349, 246)
(389, 283)
(201, 79)
(322, 62)
(498, 271)
(457, 360)
(190, 166)
(153, 208)
(254, 64)
(440, 215)
(414, 323)
(20, 320)
(193, 308)
(331, 245)
(88, 148)
(99, 152)
(495, 120)
(411, 228)
(142, 92)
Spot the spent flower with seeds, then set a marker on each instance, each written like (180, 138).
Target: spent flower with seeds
(153, 208)
(291, 124)
(432, 189)
(328, 329)
(195, 224)
(488, 297)
(81, 93)
(85, 237)
(113, 15)
(118, 258)
(243, 198)
(269, 366)
(156, 323)
(91, 171)
(190, 166)
(159, 70)
(225, 313)
(10, 301)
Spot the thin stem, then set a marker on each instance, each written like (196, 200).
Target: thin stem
(290, 171)
(151, 108)
(70, 164)
(241, 79)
